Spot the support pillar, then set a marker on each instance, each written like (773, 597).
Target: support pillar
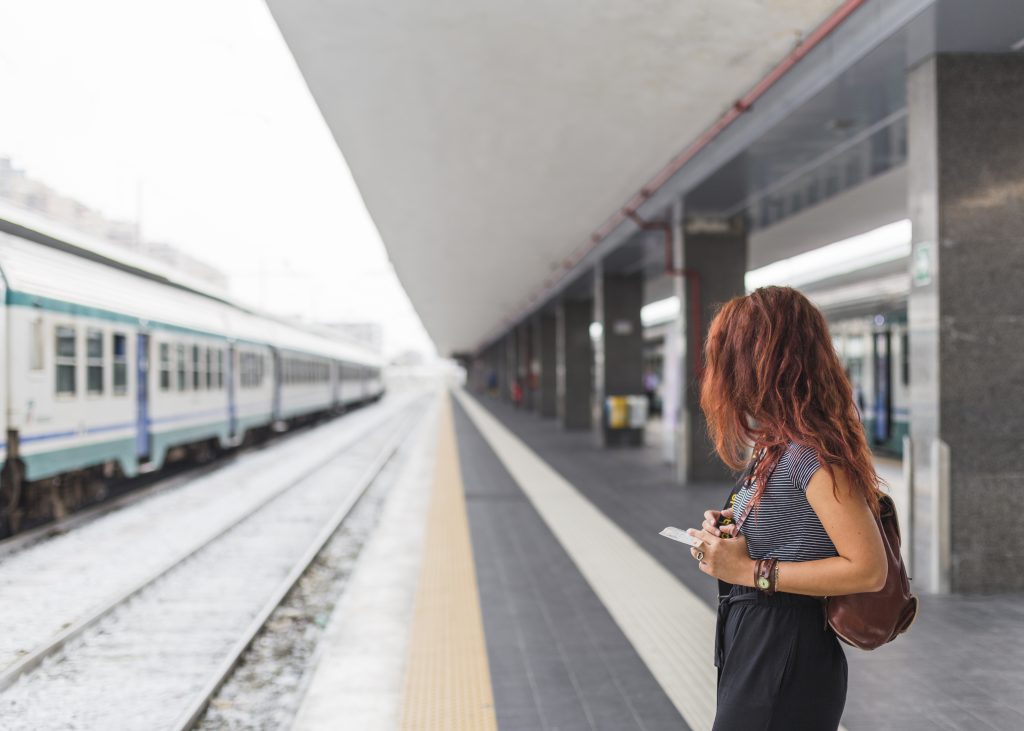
(573, 363)
(525, 344)
(546, 358)
(619, 350)
(716, 254)
(534, 369)
(508, 366)
(966, 321)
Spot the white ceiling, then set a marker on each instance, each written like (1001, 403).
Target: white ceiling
(490, 139)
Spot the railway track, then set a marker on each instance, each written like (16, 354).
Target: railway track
(53, 584)
(127, 491)
(153, 654)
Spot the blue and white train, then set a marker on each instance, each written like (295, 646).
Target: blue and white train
(112, 368)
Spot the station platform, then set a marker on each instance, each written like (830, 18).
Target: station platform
(517, 582)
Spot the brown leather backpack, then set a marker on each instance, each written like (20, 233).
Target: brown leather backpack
(871, 619)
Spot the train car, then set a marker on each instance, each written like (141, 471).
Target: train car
(110, 369)
(874, 353)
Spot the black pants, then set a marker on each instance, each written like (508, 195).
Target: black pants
(780, 667)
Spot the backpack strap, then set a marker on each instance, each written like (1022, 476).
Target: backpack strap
(724, 587)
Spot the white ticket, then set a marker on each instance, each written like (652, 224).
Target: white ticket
(682, 536)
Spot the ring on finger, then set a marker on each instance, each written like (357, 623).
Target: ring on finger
(700, 556)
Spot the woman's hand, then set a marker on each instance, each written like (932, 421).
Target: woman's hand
(712, 518)
(724, 558)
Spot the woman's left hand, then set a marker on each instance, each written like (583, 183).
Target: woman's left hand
(724, 558)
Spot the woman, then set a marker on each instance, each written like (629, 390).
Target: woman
(801, 527)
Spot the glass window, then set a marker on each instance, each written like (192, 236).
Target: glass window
(247, 369)
(35, 362)
(120, 363)
(220, 368)
(182, 383)
(209, 368)
(94, 361)
(197, 375)
(66, 382)
(905, 358)
(165, 367)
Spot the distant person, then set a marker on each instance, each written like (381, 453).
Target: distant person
(517, 393)
(651, 383)
(492, 381)
(773, 382)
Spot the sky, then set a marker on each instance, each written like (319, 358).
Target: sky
(195, 114)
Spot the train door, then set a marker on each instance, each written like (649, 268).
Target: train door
(883, 387)
(335, 385)
(276, 398)
(232, 406)
(142, 395)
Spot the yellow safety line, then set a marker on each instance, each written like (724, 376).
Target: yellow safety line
(448, 681)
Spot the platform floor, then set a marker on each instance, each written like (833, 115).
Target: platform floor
(592, 621)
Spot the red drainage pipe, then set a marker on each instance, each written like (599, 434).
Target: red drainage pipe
(676, 163)
(693, 288)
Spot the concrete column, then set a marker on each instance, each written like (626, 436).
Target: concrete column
(676, 368)
(597, 351)
(966, 321)
(574, 357)
(619, 351)
(494, 367)
(715, 253)
(546, 327)
(525, 340)
(534, 369)
(508, 366)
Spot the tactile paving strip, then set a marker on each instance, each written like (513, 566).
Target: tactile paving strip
(448, 681)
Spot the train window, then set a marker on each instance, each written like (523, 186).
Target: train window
(165, 367)
(197, 372)
(220, 368)
(120, 364)
(35, 362)
(251, 369)
(66, 382)
(209, 368)
(94, 361)
(905, 357)
(182, 382)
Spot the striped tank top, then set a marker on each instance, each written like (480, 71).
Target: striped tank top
(784, 525)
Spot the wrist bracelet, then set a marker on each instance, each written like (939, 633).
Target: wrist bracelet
(764, 573)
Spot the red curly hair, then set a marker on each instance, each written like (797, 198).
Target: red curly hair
(769, 357)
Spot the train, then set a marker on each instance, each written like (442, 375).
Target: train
(111, 368)
(870, 336)
(874, 350)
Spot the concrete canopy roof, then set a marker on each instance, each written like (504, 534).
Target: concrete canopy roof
(489, 140)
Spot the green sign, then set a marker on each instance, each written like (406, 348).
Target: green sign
(923, 263)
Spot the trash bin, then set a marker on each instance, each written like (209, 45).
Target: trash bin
(625, 417)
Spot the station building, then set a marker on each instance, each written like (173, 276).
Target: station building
(567, 194)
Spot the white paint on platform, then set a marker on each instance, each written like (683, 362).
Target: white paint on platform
(358, 681)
